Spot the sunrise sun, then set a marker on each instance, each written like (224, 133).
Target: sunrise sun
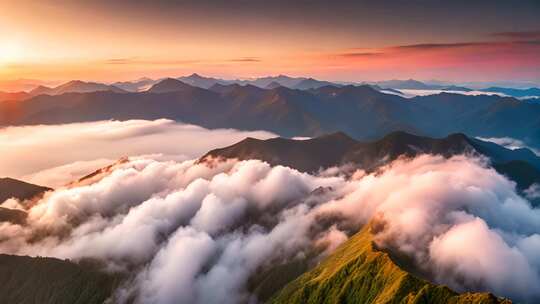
(9, 52)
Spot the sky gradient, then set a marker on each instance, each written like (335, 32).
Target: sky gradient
(333, 40)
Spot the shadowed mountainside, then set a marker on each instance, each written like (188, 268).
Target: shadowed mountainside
(339, 149)
(521, 166)
(10, 187)
(361, 111)
(27, 280)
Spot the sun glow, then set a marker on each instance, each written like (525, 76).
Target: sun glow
(10, 52)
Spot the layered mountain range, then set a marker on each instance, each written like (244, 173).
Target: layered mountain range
(349, 127)
(75, 86)
(270, 82)
(361, 111)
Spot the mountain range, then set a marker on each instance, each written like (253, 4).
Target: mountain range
(303, 83)
(361, 111)
(412, 84)
(338, 149)
(75, 86)
(269, 82)
(135, 86)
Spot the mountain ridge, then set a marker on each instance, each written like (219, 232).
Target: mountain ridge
(357, 272)
(338, 149)
(10, 187)
(75, 86)
(361, 111)
(277, 150)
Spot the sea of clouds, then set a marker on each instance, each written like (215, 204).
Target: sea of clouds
(190, 232)
(53, 155)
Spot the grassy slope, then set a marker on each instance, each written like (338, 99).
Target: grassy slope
(357, 273)
(27, 280)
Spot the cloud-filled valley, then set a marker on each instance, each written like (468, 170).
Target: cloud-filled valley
(192, 232)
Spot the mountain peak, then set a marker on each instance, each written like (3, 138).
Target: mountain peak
(75, 82)
(40, 90)
(76, 86)
(168, 85)
(273, 85)
(338, 136)
(195, 75)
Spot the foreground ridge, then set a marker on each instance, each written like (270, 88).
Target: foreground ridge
(359, 273)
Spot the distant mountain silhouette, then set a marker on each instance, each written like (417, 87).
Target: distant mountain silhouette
(75, 86)
(455, 88)
(14, 96)
(311, 83)
(273, 85)
(361, 111)
(412, 84)
(201, 81)
(404, 84)
(303, 83)
(40, 90)
(283, 80)
(139, 85)
(169, 85)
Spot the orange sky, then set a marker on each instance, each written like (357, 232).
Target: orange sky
(342, 40)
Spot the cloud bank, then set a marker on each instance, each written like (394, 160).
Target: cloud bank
(55, 154)
(196, 233)
(410, 93)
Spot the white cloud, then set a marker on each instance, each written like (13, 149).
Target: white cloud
(410, 93)
(62, 175)
(533, 192)
(198, 233)
(54, 155)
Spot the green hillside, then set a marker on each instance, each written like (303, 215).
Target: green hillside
(27, 280)
(358, 273)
